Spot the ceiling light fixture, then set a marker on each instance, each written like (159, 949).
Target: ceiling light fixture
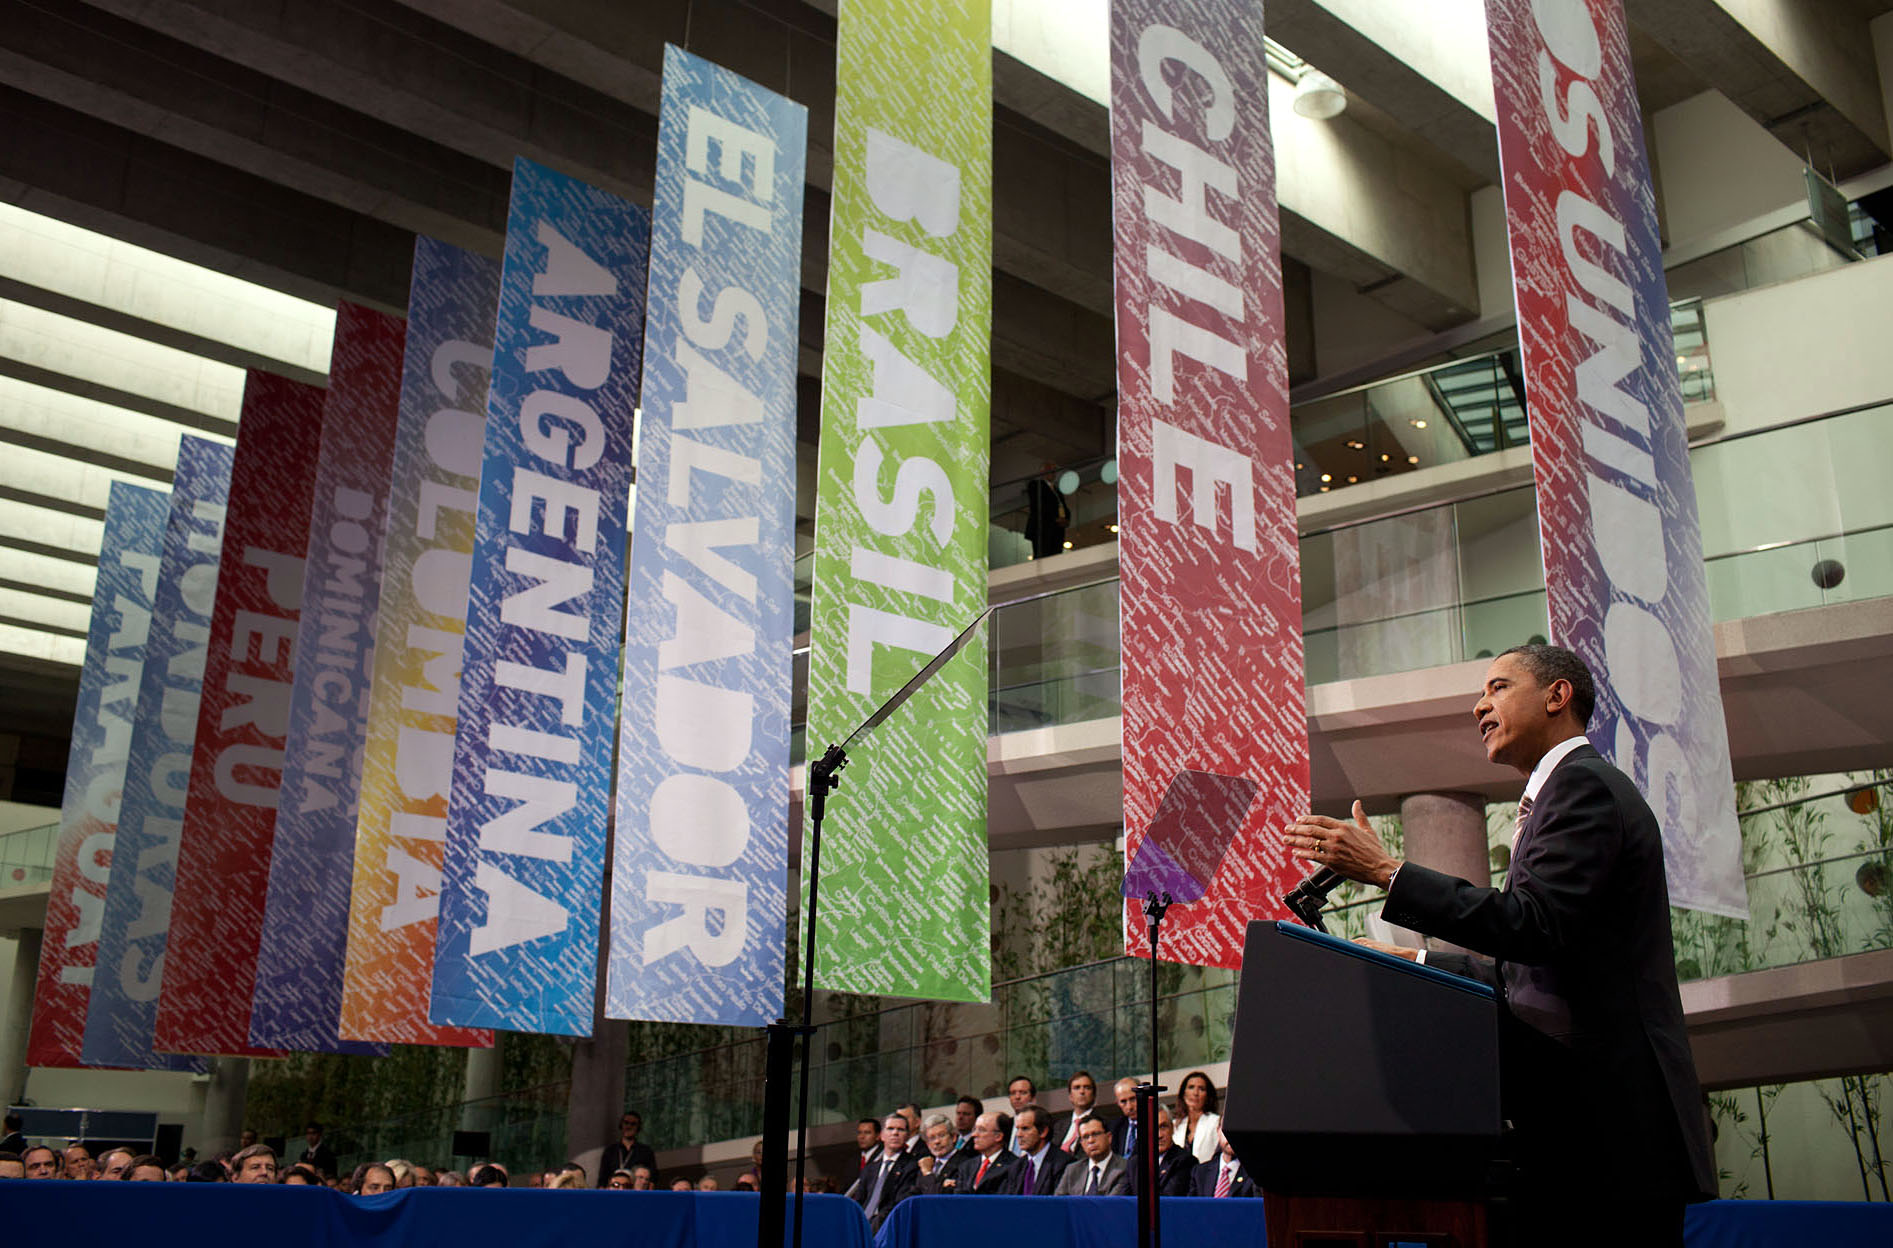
(1319, 97)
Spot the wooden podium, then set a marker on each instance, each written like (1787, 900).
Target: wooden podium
(1363, 1094)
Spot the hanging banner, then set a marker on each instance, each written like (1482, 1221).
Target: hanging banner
(236, 768)
(901, 506)
(95, 770)
(122, 1011)
(1214, 690)
(407, 767)
(298, 1000)
(701, 843)
(525, 857)
(1616, 504)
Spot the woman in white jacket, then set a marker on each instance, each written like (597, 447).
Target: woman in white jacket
(1196, 1117)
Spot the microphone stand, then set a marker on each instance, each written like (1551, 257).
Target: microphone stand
(822, 777)
(1149, 1225)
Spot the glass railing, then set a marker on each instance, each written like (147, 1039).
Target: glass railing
(1784, 254)
(26, 856)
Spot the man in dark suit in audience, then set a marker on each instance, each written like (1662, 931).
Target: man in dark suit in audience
(1224, 1176)
(1083, 1091)
(1099, 1172)
(1174, 1165)
(965, 1112)
(983, 1172)
(1124, 1130)
(1041, 1162)
(867, 1143)
(889, 1178)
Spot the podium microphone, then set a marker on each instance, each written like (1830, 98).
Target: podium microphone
(1305, 900)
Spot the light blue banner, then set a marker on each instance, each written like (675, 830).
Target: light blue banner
(137, 919)
(700, 848)
(525, 855)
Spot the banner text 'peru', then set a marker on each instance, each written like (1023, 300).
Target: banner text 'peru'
(236, 768)
(122, 1014)
(1616, 505)
(298, 999)
(414, 702)
(701, 844)
(95, 770)
(1211, 594)
(902, 501)
(525, 857)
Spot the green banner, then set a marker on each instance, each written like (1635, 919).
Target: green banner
(901, 511)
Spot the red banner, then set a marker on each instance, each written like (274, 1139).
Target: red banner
(236, 766)
(1211, 594)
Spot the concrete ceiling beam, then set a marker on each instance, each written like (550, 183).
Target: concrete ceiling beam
(1805, 71)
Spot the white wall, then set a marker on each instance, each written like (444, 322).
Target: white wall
(1351, 329)
(1718, 168)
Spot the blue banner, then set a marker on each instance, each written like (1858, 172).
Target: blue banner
(120, 628)
(137, 919)
(700, 848)
(525, 852)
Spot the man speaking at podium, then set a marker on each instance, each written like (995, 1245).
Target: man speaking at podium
(1597, 1076)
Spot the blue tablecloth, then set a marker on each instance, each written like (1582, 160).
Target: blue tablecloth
(1111, 1222)
(190, 1215)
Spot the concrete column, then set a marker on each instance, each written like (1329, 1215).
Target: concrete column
(482, 1083)
(223, 1105)
(597, 1098)
(1446, 831)
(19, 1015)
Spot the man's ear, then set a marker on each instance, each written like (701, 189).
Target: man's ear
(1558, 697)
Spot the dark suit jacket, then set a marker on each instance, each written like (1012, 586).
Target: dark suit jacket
(1174, 1167)
(902, 1181)
(617, 1157)
(1596, 1070)
(997, 1179)
(1061, 1127)
(1204, 1178)
(1119, 1131)
(321, 1158)
(1044, 1180)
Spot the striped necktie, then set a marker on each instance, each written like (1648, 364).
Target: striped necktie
(1518, 824)
(1225, 1179)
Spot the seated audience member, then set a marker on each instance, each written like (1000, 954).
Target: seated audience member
(1124, 1130)
(911, 1112)
(984, 1172)
(708, 1183)
(315, 1154)
(621, 1181)
(681, 1185)
(371, 1178)
(643, 1179)
(424, 1176)
(255, 1164)
(11, 1167)
(570, 1168)
(754, 1173)
(965, 1112)
(890, 1178)
(13, 1141)
(42, 1162)
(113, 1162)
(208, 1172)
(1224, 1176)
(941, 1158)
(1019, 1093)
(245, 1138)
(300, 1175)
(1097, 1171)
(867, 1142)
(1083, 1091)
(450, 1178)
(492, 1174)
(1196, 1117)
(746, 1183)
(565, 1181)
(1174, 1166)
(1041, 1163)
(181, 1172)
(403, 1171)
(146, 1168)
(79, 1163)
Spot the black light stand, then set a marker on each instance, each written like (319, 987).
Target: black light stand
(1149, 1224)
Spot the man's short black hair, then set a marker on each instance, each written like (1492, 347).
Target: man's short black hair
(1002, 1122)
(1550, 663)
(872, 1122)
(312, 1126)
(13, 1121)
(1026, 1080)
(1041, 1120)
(974, 1101)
